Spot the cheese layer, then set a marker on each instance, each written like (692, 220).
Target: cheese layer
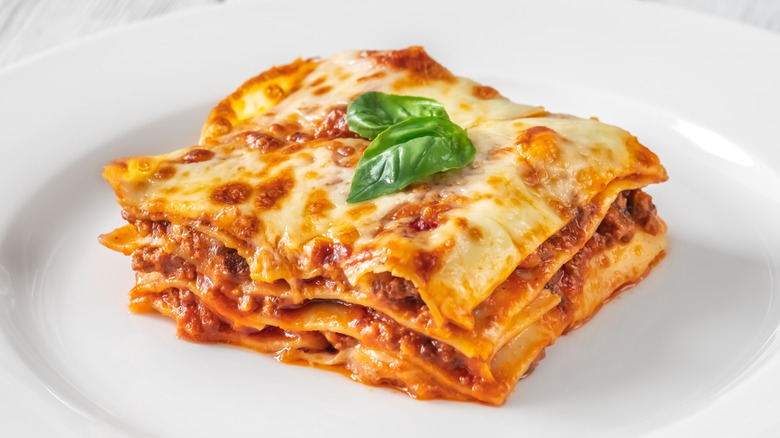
(273, 170)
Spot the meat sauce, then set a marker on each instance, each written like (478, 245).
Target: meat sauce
(631, 211)
(196, 322)
(220, 271)
(376, 329)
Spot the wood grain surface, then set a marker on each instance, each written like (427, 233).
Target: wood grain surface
(28, 27)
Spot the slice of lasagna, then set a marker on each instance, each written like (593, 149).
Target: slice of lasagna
(450, 288)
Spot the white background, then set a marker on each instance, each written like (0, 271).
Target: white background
(28, 27)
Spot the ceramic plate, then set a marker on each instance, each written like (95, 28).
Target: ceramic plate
(690, 351)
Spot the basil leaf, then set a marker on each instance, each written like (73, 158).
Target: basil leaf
(408, 152)
(373, 112)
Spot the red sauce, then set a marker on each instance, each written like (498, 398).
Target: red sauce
(335, 124)
(631, 210)
(326, 253)
(221, 271)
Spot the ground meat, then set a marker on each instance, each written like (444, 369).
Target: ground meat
(196, 321)
(386, 286)
(564, 240)
(152, 259)
(233, 264)
(379, 330)
(630, 211)
(221, 263)
(147, 227)
(335, 124)
(643, 211)
(618, 224)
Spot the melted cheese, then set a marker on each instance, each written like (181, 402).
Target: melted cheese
(272, 174)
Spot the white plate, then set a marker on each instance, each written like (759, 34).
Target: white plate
(691, 351)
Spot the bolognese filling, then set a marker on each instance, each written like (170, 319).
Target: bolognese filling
(221, 297)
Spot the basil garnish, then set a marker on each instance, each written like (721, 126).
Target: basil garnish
(407, 152)
(373, 112)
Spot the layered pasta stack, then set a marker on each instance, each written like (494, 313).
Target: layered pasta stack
(450, 288)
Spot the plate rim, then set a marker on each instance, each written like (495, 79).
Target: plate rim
(37, 61)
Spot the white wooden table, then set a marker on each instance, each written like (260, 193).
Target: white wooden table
(28, 27)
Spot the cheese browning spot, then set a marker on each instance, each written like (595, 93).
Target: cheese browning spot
(197, 156)
(539, 143)
(260, 141)
(273, 92)
(277, 130)
(118, 164)
(318, 203)
(344, 155)
(534, 177)
(220, 125)
(299, 137)
(335, 124)
(272, 160)
(428, 263)
(348, 235)
(269, 193)
(342, 74)
(484, 92)
(165, 172)
(422, 68)
(497, 181)
(360, 211)
(245, 226)
(231, 193)
(345, 151)
(562, 209)
(417, 62)
(254, 96)
(322, 90)
(157, 205)
(319, 81)
(143, 165)
(377, 75)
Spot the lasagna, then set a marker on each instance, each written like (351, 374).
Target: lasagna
(450, 288)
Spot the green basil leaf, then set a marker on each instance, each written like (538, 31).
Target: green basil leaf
(373, 112)
(408, 152)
